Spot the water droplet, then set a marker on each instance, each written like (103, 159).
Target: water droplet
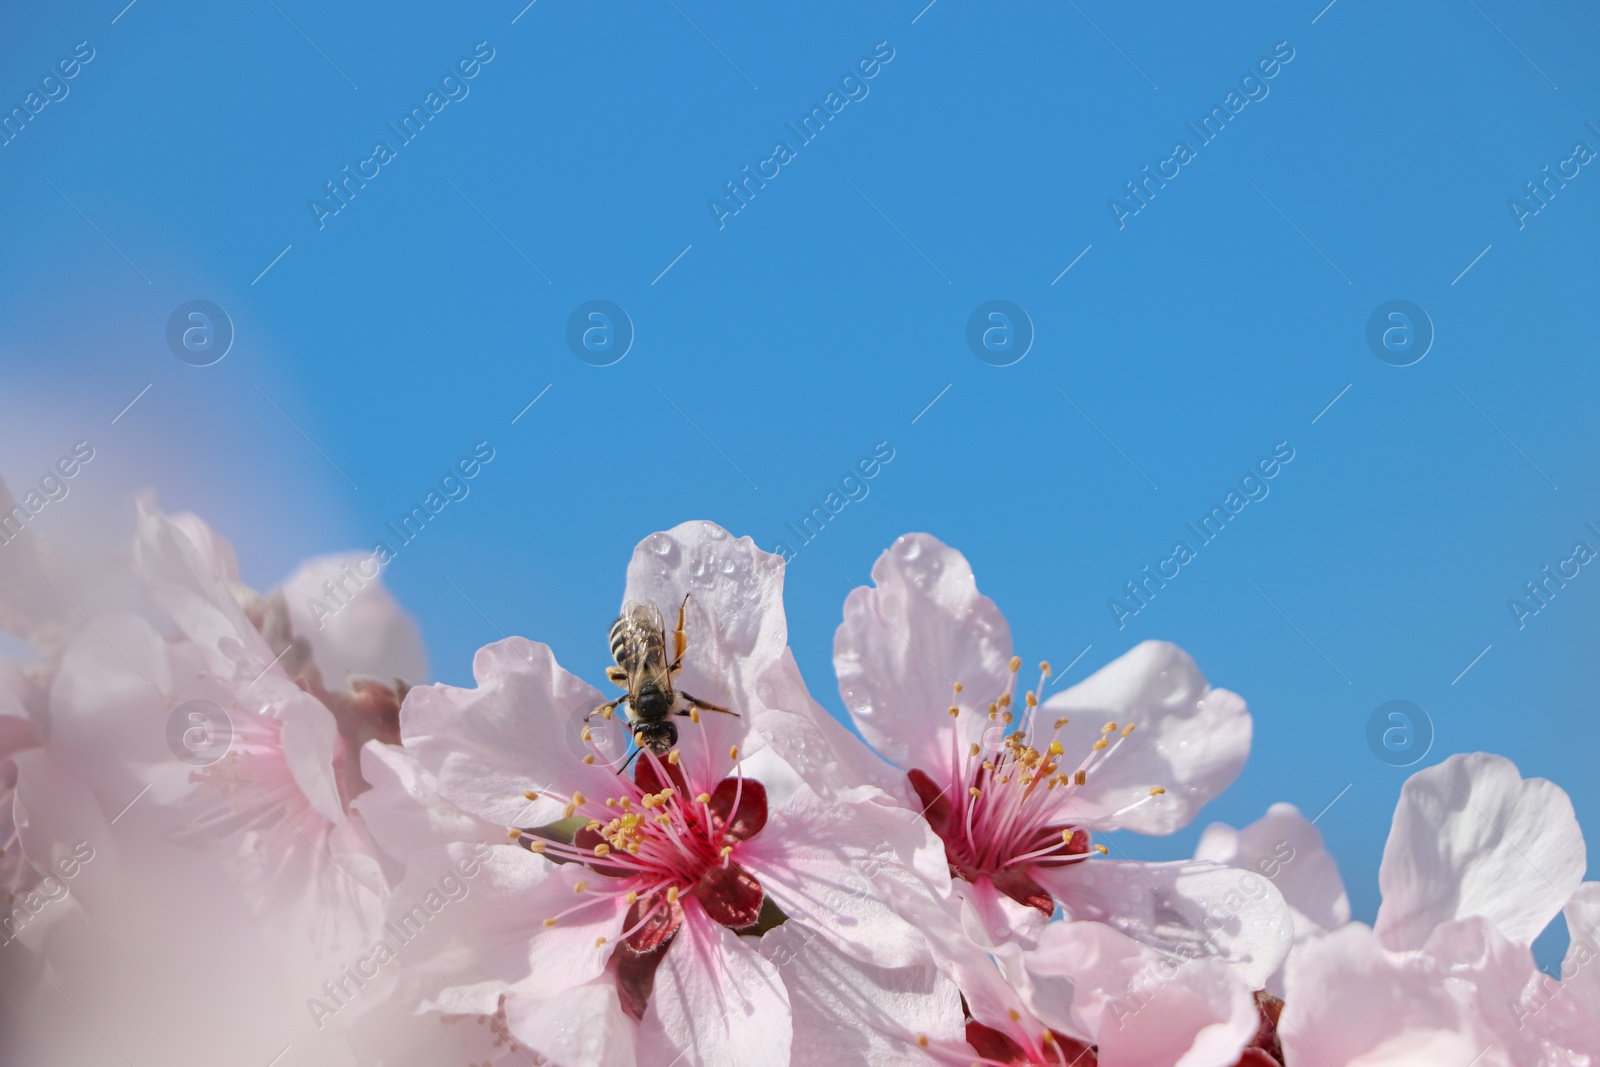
(909, 549)
(660, 544)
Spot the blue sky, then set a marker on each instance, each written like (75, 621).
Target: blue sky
(1173, 347)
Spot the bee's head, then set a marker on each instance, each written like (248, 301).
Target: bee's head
(658, 737)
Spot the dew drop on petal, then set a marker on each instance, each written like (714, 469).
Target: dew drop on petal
(909, 549)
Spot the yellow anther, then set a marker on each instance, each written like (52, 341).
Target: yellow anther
(733, 753)
(957, 687)
(1109, 728)
(1102, 850)
(672, 894)
(975, 750)
(1128, 729)
(569, 809)
(631, 897)
(1056, 748)
(1047, 1038)
(672, 757)
(513, 832)
(1062, 722)
(1100, 744)
(954, 711)
(602, 849)
(530, 795)
(1005, 700)
(1029, 699)
(727, 850)
(536, 846)
(606, 713)
(579, 798)
(1066, 836)
(1044, 665)
(1079, 777)
(975, 791)
(1156, 790)
(1007, 718)
(548, 923)
(694, 715)
(601, 941)
(922, 1040)
(589, 759)
(703, 798)
(1016, 664)
(586, 736)
(988, 765)
(578, 887)
(1015, 1016)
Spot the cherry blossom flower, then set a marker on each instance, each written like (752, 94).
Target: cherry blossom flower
(1478, 861)
(621, 943)
(224, 719)
(1017, 788)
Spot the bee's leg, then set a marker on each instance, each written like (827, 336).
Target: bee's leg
(605, 709)
(679, 640)
(704, 705)
(617, 676)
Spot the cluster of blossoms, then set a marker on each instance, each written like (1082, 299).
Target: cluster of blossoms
(228, 828)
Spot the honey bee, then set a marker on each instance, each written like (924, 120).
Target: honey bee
(639, 645)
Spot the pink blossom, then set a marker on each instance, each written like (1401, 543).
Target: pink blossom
(1016, 788)
(1478, 861)
(623, 944)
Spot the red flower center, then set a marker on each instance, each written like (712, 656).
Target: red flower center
(664, 847)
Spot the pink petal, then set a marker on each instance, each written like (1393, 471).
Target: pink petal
(734, 625)
(1142, 1007)
(1351, 1002)
(1188, 739)
(846, 1011)
(1284, 847)
(517, 731)
(921, 627)
(829, 863)
(1188, 909)
(480, 928)
(362, 630)
(582, 1027)
(1472, 837)
(716, 1002)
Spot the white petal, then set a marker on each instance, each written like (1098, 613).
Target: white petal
(480, 910)
(1350, 1002)
(65, 835)
(1187, 909)
(404, 809)
(716, 1003)
(310, 738)
(815, 745)
(1471, 837)
(828, 865)
(580, 1027)
(1188, 739)
(1284, 847)
(905, 641)
(848, 1012)
(367, 632)
(517, 731)
(1142, 1007)
(188, 588)
(734, 625)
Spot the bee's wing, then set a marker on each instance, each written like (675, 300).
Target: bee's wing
(638, 635)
